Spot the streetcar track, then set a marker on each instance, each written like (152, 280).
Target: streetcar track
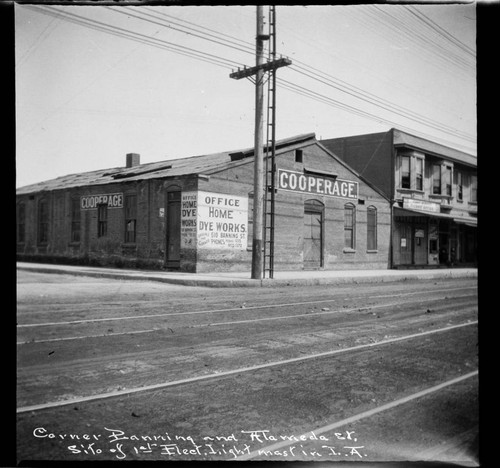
(232, 309)
(343, 310)
(153, 303)
(118, 393)
(357, 417)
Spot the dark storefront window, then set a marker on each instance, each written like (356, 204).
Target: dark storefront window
(43, 222)
(75, 220)
(21, 222)
(371, 228)
(130, 218)
(405, 172)
(102, 220)
(349, 225)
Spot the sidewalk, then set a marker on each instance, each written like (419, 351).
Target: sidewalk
(237, 279)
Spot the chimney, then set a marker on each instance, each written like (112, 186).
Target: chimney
(133, 159)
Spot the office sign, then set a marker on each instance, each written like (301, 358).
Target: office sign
(214, 221)
(306, 183)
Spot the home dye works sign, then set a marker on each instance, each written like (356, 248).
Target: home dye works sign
(306, 183)
(214, 221)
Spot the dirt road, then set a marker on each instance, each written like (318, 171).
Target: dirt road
(161, 372)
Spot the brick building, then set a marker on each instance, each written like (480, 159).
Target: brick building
(195, 214)
(433, 194)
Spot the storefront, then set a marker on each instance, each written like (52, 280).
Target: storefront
(424, 236)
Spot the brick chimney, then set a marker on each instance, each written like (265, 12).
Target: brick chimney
(133, 159)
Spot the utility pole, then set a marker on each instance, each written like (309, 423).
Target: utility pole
(258, 194)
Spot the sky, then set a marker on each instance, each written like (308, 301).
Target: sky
(94, 83)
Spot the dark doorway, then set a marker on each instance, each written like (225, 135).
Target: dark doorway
(173, 230)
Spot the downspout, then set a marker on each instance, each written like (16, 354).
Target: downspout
(393, 169)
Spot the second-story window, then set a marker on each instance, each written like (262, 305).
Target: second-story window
(436, 179)
(102, 220)
(419, 174)
(405, 172)
(447, 180)
(473, 189)
(460, 186)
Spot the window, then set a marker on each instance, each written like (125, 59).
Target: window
(447, 180)
(436, 179)
(419, 174)
(405, 172)
(21, 222)
(460, 186)
(130, 218)
(102, 220)
(371, 228)
(43, 222)
(299, 156)
(75, 220)
(473, 189)
(349, 225)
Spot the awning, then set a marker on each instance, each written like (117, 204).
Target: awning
(466, 220)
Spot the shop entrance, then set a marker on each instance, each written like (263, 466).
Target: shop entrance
(173, 230)
(313, 234)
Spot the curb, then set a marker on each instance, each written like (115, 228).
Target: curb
(282, 282)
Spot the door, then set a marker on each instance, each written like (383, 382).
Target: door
(313, 240)
(173, 231)
(420, 245)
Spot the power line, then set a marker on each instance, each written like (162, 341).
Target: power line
(226, 63)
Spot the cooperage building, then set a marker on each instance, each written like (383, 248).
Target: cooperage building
(433, 193)
(195, 214)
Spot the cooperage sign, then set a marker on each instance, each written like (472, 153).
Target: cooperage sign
(90, 202)
(299, 182)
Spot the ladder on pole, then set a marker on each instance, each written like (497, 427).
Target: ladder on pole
(270, 169)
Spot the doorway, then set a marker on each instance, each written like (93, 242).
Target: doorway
(173, 230)
(313, 234)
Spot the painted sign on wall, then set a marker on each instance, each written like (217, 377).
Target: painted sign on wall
(90, 202)
(214, 221)
(306, 183)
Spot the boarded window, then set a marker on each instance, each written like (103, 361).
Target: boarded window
(371, 228)
(43, 222)
(75, 220)
(21, 222)
(130, 218)
(102, 220)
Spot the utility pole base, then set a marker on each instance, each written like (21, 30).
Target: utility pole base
(257, 259)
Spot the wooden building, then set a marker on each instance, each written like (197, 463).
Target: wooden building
(433, 194)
